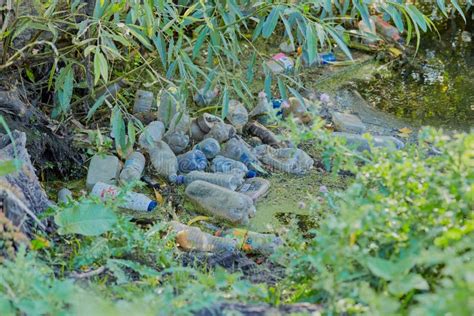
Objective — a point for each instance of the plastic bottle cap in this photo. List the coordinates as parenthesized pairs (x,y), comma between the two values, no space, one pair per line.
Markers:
(152,206)
(179,179)
(251,174)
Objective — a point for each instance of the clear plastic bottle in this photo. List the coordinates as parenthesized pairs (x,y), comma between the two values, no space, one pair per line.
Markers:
(131,200)
(220,202)
(133,168)
(264,109)
(238,150)
(64,195)
(207,121)
(206,97)
(164,161)
(386,29)
(152,134)
(221,132)
(226,165)
(238,115)
(290,160)
(143,101)
(209,146)
(255,188)
(196,133)
(192,238)
(252,242)
(226,180)
(177,141)
(193,160)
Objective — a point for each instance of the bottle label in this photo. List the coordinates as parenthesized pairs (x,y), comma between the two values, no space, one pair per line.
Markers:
(284,60)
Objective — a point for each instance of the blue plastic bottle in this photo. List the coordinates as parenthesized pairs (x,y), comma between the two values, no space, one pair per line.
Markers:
(193,160)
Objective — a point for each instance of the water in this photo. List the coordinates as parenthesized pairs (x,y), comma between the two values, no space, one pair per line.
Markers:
(436,89)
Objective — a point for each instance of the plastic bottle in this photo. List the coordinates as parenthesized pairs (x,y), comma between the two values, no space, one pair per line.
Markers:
(133,168)
(207,121)
(264,109)
(252,242)
(227,165)
(221,132)
(168,107)
(196,133)
(177,141)
(206,97)
(290,160)
(220,202)
(209,146)
(238,115)
(143,101)
(64,195)
(164,161)
(280,63)
(255,188)
(181,122)
(152,134)
(192,238)
(225,180)
(361,144)
(238,150)
(386,29)
(369,31)
(193,160)
(131,200)
(267,137)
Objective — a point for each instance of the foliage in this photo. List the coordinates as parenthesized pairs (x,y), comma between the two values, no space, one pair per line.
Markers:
(183,42)
(400,237)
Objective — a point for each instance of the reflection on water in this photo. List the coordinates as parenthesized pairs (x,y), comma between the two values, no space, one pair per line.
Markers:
(436,90)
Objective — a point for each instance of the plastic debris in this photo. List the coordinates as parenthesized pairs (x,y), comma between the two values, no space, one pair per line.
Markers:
(255,188)
(226,180)
(210,147)
(130,201)
(206,97)
(280,63)
(260,131)
(252,242)
(143,101)
(133,168)
(152,134)
(104,169)
(64,195)
(238,115)
(227,165)
(290,160)
(220,202)
(191,161)
(164,161)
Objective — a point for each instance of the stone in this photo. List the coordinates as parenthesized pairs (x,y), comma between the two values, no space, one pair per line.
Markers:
(361,144)
(104,169)
(349,123)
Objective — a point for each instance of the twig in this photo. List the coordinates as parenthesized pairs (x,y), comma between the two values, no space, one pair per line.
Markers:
(88,274)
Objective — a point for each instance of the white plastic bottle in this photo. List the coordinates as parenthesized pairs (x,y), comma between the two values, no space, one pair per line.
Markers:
(131,200)
(226,180)
(133,168)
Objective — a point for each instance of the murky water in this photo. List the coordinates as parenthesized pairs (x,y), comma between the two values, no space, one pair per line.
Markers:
(437,89)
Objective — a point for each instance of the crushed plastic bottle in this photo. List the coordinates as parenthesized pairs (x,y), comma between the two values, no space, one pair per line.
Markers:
(192,238)
(320,60)
(205,97)
(260,131)
(196,133)
(133,168)
(181,122)
(264,109)
(255,188)
(369,31)
(152,134)
(164,161)
(290,160)
(238,115)
(220,202)
(386,29)
(193,160)
(177,141)
(207,121)
(221,132)
(227,165)
(252,242)
(280,63)
(361,144)
(169,103)
(237,149)
(225,180)
(143,101)
(64,195)
(209,146)
(131,200)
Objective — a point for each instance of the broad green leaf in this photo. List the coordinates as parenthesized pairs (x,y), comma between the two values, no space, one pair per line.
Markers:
(271,22)
(199,42)
(268,84)
(118,129)
(87,218)
(282,89)
(250,72)
(407,283)
(382,268)
(310,43)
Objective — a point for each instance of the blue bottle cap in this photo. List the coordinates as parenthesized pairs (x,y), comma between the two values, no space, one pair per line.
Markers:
(152,206)
(179,179)
(251,174)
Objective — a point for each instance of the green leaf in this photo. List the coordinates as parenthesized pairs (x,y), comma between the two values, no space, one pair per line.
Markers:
(407,283)
(271,22)
(250,73)
(118,129)
(310,43)
(282,89)
(96,106)
(339,41)
(458,8)
(87,218)
(199,41)
(382,268)
(225,104)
